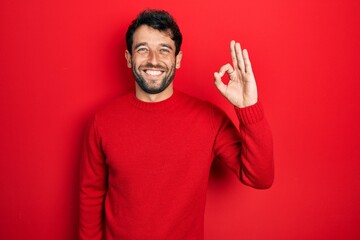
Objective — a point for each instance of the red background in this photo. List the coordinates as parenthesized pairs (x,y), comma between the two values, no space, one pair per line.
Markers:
(62,60)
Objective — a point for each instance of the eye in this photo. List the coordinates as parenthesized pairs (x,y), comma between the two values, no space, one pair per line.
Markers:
(165,50)
(142,50)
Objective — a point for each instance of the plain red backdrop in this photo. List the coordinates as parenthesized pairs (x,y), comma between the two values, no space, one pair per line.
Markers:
(62,60)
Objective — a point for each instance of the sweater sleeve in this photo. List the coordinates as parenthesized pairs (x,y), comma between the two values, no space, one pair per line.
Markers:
(249,151)
(93,175)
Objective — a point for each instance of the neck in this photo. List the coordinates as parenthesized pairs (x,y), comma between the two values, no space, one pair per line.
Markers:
(158,97)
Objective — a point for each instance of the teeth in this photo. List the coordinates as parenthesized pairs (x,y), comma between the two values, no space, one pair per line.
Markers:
(153,72)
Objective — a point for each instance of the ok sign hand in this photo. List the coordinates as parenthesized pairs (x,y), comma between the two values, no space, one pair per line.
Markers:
(241,89)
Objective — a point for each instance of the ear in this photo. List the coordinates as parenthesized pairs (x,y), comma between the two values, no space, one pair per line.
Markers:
(178,60)
(128,58)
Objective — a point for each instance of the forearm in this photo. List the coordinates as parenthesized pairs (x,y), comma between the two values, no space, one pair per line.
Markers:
(91,211)
(257,164)
(93,187)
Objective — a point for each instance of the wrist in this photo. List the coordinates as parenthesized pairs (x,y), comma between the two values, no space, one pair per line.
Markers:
(246,103)
(250,114)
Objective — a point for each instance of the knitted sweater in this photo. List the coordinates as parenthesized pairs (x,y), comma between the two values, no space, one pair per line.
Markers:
(145,166)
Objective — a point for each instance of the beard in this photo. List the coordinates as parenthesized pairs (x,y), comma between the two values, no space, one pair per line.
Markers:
(145,86)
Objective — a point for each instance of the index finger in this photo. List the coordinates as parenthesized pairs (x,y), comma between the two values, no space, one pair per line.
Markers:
(227,68)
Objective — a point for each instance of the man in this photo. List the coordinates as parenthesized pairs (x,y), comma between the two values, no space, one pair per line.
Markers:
(147,155)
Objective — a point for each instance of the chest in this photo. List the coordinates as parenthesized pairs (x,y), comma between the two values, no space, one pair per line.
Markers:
(159,145)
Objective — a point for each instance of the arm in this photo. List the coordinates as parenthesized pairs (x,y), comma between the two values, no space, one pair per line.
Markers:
(249,153)
(93,175)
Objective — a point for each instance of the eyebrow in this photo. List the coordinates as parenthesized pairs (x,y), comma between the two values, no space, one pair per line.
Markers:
(145,44)
(140,45)
(166,45)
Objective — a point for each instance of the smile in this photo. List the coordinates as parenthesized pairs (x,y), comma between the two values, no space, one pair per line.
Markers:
(153,72)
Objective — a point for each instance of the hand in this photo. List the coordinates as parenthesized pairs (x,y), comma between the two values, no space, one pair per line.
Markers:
(241,89)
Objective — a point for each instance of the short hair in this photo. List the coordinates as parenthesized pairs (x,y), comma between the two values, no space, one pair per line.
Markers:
(159,20)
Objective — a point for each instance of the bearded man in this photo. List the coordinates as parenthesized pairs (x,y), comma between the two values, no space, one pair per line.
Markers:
(147,155)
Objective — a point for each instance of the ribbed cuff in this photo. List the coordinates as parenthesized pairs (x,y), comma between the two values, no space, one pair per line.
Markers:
(250,114)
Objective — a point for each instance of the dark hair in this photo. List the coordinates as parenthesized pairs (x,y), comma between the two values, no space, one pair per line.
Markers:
(159,20)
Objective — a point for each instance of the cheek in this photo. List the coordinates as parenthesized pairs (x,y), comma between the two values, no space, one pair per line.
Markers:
(138,59)
(169,61)
(136,63)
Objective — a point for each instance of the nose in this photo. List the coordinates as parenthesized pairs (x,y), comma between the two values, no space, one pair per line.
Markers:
(153,58)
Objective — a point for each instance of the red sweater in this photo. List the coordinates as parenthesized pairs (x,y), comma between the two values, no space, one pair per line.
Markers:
(145,166)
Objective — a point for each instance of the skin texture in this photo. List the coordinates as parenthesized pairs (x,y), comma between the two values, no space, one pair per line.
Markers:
(153,62)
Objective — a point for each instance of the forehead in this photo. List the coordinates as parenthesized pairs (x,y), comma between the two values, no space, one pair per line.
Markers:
(151,36)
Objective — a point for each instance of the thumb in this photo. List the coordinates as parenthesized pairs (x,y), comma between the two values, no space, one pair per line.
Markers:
(219,83)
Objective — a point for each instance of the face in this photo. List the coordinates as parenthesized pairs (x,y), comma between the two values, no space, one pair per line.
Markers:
(153,60)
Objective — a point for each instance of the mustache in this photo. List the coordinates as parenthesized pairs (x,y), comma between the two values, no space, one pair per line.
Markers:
(158,66)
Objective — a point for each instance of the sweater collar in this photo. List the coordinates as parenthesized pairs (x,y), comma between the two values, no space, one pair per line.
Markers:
(154,106)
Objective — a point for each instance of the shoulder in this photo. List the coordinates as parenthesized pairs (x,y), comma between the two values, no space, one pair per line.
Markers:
(202,107)
(115,107)
(194,103)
